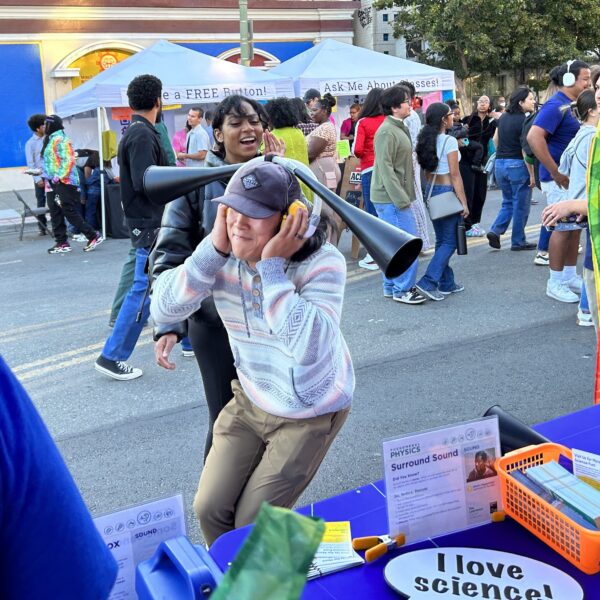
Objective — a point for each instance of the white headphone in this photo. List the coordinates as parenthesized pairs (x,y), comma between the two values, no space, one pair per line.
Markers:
(569,78)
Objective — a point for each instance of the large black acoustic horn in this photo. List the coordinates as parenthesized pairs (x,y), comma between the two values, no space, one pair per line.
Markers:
(514,434)
(392,249)
(163,184)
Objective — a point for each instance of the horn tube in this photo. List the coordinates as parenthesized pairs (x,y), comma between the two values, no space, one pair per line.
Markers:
(393,249)
(514,434)
(163,184)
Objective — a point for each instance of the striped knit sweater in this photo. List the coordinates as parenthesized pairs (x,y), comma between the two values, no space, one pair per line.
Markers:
(283,321)
(59,159)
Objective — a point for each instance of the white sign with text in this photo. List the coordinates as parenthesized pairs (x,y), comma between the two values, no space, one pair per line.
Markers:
(133,534)
(210,93)
(423,85)
(477,573)
(442,480)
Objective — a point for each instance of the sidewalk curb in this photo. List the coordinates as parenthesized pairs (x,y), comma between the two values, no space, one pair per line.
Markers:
(10,225)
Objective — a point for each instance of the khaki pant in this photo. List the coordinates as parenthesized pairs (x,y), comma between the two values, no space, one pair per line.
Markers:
(258,457)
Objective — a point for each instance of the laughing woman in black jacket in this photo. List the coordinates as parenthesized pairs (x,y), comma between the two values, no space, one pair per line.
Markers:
(239,127)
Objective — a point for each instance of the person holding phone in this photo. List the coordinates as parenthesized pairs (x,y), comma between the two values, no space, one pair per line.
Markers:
(280,296)
(482,126)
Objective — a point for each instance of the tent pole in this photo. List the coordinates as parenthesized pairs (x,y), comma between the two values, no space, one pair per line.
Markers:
(101,166)
(245,42)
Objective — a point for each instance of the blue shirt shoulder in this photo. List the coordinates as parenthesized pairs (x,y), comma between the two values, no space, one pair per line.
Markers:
(556,119)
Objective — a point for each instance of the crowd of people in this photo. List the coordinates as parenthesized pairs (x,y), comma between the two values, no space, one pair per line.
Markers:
(238,281)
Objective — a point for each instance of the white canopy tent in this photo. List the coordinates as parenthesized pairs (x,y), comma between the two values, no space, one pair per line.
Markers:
(345,70)
(188,77)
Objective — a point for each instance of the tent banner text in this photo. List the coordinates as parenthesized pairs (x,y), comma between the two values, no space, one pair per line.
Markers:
(364,86)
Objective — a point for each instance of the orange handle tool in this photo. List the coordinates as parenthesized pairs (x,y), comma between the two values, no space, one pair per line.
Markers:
(364,543)
(374,553)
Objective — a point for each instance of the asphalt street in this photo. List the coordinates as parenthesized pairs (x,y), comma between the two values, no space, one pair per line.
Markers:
(501,341)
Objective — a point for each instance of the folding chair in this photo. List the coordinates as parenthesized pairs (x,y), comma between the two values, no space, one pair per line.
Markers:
(31,212)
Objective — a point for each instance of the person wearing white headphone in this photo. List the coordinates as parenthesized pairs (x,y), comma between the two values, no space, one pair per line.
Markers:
(553,129)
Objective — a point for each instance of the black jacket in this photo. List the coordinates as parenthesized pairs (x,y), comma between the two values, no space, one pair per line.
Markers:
(139,149)
(481,131)
(186,222)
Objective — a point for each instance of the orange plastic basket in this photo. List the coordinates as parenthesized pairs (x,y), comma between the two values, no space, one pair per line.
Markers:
(578,545)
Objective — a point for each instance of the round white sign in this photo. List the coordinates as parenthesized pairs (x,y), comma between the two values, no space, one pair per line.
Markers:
(477,573)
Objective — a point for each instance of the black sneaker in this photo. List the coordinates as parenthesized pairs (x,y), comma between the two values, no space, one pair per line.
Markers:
(410,297)
(117,369)
(59,248)
(525,246)
(494,240)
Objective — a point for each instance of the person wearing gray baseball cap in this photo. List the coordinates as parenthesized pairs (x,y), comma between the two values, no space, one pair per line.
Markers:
(261,190)
(280,296)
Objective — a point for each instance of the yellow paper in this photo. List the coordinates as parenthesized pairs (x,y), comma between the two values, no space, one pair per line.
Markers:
(336,532)
(343,149)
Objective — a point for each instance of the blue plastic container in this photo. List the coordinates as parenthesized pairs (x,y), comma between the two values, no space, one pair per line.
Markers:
(179,570)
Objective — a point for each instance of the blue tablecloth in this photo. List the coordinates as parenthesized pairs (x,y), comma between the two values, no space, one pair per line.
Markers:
(365,508)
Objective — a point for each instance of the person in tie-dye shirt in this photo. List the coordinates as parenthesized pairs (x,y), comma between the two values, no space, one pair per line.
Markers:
(62,191)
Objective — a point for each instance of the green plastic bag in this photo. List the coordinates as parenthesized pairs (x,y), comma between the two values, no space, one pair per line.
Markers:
(273,562)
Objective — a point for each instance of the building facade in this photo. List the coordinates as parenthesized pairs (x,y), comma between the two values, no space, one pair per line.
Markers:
(374,29)
(49,47)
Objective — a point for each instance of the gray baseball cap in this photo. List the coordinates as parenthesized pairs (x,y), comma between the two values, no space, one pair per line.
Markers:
(261,190)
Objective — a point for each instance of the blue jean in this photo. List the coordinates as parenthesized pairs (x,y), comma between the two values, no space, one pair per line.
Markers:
(402,219)
(512,178)
(91,210)
(544,241)
(584,304)
(365,182)
(439,274)
(126,331)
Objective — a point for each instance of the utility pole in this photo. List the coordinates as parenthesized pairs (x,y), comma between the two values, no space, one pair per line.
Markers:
(246,53)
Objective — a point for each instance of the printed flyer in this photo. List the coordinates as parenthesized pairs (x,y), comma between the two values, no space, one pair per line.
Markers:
(442,480)
(133,534)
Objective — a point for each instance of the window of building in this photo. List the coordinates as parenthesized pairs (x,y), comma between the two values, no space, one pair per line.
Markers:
(386,37)
(386,52)
(385,17)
